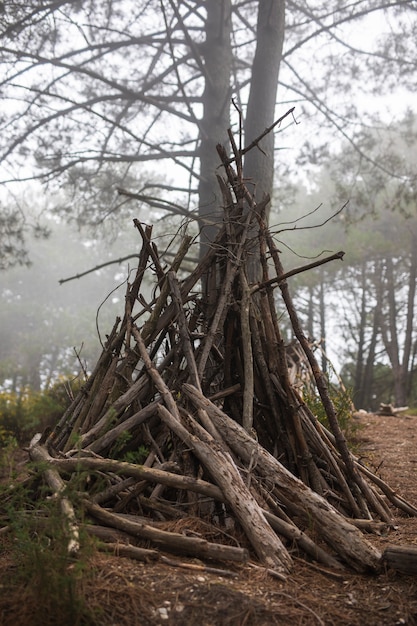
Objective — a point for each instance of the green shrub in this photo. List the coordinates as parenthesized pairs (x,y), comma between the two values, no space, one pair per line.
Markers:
(26,412)
(342,402)
(49,579)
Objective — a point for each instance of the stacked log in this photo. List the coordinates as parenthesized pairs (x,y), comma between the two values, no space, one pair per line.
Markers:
(192,412)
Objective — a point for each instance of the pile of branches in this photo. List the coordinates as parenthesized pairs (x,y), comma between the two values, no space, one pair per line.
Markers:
(192,413)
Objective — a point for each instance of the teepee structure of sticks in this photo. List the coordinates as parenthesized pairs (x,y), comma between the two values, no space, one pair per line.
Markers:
(192,412)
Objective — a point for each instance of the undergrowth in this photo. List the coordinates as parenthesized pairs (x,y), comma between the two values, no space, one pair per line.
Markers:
(49,582)
(342,402)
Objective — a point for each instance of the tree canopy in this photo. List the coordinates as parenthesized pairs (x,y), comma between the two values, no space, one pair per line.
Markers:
(97,89)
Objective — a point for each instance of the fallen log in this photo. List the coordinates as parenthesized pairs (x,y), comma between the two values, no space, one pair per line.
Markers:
(39,454)
(173,542)
(401,558)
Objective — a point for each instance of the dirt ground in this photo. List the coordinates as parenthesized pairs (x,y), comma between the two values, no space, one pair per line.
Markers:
(131,593)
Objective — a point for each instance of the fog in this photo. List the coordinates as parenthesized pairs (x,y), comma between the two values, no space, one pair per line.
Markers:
(102,125)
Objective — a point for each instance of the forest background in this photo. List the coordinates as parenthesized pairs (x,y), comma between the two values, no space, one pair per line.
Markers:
(112,110)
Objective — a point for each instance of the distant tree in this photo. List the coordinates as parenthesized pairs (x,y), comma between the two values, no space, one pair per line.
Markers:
(372,295)
(88,86)
(44,325)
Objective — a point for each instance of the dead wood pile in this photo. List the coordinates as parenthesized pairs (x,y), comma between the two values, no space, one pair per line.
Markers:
(197,392)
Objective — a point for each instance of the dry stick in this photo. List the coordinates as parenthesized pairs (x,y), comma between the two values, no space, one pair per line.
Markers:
(133,291)
(232,267)
(144,554)
(266,544)
(223,393)
(326,449)
(308,466)
(183,330)
(108,534)
(266,381)
(39,454)
(140,472)
(283,525)
(320,432)
(199,568)
(318,377)
(152,322)
(151,370)
(151,250)
(333,527)
(167,510)
(303,541)
(279,279)
(131,552)
(248,389)
(114,411)
(394,498)
(268,547)
(233,263)
(189,282)
(99,395)
(267,130)
(188,349)
(320,435)
(322,387)
(61,281)
(64,427)
(114,490)
(194,546)
(127,425)
(91,412)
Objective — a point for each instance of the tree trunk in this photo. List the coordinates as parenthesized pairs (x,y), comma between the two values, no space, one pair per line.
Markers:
(390,332)
(358,385)
(408,338)
(322,311)
(217,57)
(259,163)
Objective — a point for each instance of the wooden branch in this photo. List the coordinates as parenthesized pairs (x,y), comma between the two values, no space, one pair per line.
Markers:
(98,267)
(101,443)
(113,412)
(266,544)
(131,552)
(298,270)
(401,558)
(231,270)
(344,538)
(173,542)
(157,379)
(108,535)
(39,454)
(183,329)
(248,378)
(302,540)
(151,323)
(393,497)
(140,472)
(195,567)
(320,379)
(267,130)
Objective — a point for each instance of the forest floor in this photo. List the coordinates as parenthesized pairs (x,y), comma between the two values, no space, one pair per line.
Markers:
(124,592)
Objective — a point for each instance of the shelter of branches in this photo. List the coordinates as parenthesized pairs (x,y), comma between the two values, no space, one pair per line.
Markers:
(191,413)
